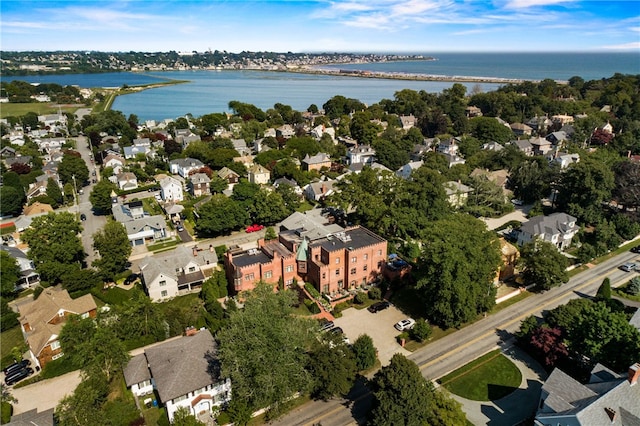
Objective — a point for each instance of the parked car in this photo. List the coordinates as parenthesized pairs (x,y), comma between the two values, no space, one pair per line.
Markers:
(379,306)
(16,366)
(180,228)
(131,279)
(635,249)
(83,216)
(628,267)
(517,202)
(326,325)
(337,330)
(254,228)
(405,324)
(16,376)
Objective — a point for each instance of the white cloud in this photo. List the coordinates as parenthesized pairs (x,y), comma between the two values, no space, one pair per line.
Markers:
(523,4)
(625,46)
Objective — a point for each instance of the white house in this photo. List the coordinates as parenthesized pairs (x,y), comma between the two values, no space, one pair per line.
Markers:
(316,191)
(258,175)
(182,166)
(140,227)
(28,275)
(115,162)
(361,154)
(174,272)
(184,372)
(171,189)
(127,181)
(557,228)
(405,171)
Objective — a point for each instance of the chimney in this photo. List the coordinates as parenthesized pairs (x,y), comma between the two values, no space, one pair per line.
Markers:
(211,248)
(634,373)
(195,251)
(323,189)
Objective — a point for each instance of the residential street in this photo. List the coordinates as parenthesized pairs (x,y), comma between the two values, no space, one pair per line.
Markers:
(465,345)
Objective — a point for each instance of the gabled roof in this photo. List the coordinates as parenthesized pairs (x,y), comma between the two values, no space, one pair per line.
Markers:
(183,365)
(168,181)
(553,224)
(258,169)
(225,172)
(186,162)
(39,312)
(37,208)
(317,159)
(167,262)
(199,178)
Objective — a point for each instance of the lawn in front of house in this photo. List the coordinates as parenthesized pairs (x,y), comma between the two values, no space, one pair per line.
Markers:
(488,378)
(8,340)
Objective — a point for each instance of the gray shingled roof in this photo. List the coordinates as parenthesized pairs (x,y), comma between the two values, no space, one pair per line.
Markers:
(539,225)
(183,365)
(136,370)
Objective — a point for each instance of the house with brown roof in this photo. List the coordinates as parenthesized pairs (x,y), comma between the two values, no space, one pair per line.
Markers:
(185,373)
(316,162)
(42,320)
(230,176)
(37,208)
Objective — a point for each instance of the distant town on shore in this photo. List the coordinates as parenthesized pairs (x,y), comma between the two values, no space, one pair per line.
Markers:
(44,63)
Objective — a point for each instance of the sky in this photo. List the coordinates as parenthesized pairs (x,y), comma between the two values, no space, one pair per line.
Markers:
(314,26)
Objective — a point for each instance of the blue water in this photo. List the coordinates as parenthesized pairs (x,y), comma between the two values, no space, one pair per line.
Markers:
(211,91)
(528,66)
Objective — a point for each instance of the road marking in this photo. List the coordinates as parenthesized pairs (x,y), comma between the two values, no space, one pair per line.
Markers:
(508,323)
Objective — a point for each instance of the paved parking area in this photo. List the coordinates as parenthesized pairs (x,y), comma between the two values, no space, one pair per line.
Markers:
(378,326)
(45,394)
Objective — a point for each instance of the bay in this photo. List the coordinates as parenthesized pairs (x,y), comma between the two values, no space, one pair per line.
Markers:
(211,91)
(526,66)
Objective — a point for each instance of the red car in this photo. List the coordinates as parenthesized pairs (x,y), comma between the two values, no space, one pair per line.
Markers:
(254,228)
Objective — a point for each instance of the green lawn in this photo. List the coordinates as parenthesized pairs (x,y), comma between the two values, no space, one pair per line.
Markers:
(40,108)
(8,340)
(620,292)
(488,378)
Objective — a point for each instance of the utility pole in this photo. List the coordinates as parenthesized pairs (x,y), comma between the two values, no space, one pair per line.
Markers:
(75,194)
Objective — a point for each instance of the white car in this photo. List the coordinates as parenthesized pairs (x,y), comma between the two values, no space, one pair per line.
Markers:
(405,324)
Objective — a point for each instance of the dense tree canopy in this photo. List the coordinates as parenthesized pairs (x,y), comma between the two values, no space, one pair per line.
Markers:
(404,397)
(54,245)
(72,166)
(220,215)
(9,274)
(543,265)
(100,196)
(459,261)
(263,349)
(114,247)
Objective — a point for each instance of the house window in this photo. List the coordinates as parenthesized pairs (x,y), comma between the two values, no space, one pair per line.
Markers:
(55,345)
(337,260)
(268,274)
(192,269)
(353,271)
(325,288)
(144,384)
(289,282)
(324,275)
(354,259)
(180,398)
(289,268)
(85,315)
(338,271)
(365,267)
(163,283)
(340,282)
(56,356)
(164,293)
(366,256)
(379,252)
(249,277)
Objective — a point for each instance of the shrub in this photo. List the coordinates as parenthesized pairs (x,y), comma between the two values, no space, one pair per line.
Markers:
(360,298)
(402,336)
(7,410)
(220,251)
(339,308)
(311,306)
(223,418)
(364,351)
(37,292)
(634,286)
(421,331)
(312,290)
(375,293)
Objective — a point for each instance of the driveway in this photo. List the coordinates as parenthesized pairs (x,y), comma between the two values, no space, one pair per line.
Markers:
(520,214)
(378,326)
(45,394)
(515,407)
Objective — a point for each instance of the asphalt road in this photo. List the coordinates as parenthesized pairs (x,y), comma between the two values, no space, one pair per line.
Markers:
(457,349)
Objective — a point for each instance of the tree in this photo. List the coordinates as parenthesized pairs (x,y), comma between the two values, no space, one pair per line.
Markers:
(402,396)
(421,330)
(604,291)
(543,265)
(54,192)
(77,281)
(100,196)
(460,258)
(220,215)
(333,368)
(75,333)
(9,274)
(8,318)
(364,351)
(114,247)
(103,354)
(583,187)
(83,406)
(54,245)
(262,349)
(182,417)
(72,165)
(634,286)
(548,345)
(627,184)
(11,200)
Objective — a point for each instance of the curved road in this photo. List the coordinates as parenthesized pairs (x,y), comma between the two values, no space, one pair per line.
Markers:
(465,345)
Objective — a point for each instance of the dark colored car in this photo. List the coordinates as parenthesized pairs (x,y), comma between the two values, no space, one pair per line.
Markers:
(635,249)
(16,366)
(131,279)
(83,216)
(379,306)
(16,376)
(336,330)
